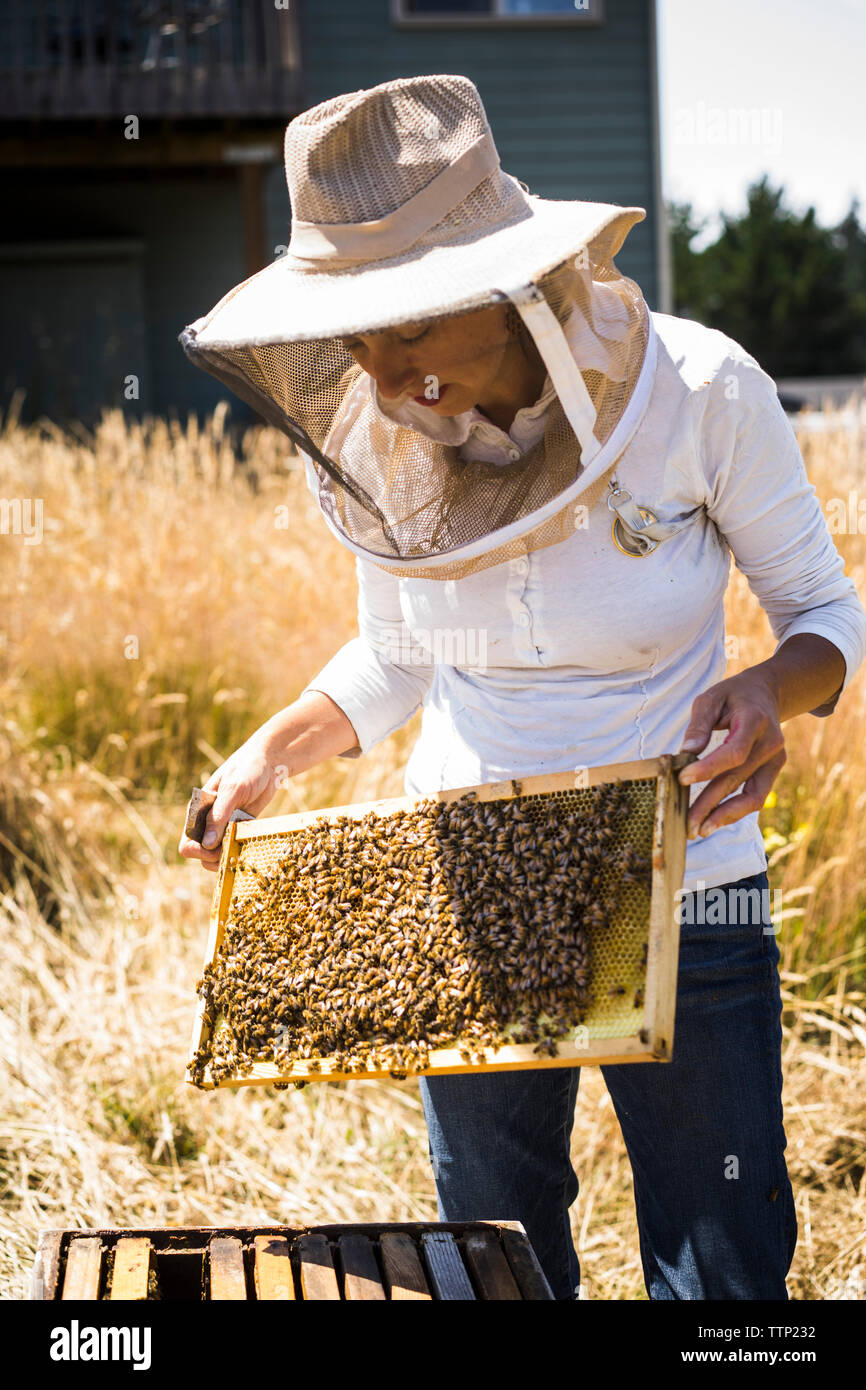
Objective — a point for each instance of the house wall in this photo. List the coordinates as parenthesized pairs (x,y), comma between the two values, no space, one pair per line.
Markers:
(189,226)
(570,107)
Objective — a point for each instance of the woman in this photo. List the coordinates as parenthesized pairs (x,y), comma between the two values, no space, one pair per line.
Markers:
(468,377)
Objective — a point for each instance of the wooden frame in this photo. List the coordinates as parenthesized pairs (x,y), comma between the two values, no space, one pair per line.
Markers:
(652,1042)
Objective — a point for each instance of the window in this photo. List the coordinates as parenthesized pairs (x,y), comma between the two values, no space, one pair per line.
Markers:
(450,12)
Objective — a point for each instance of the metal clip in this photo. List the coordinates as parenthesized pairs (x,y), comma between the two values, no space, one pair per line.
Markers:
(629,522)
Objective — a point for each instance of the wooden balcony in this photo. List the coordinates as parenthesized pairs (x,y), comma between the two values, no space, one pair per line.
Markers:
(86,59)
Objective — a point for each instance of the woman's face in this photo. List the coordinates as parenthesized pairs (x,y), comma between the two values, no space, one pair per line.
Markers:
(448,365)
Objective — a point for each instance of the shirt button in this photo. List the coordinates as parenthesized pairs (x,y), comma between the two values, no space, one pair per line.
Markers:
(523,620)
(521,566)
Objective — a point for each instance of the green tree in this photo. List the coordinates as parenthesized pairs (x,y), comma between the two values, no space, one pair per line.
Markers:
(686,265)
(791,292)
(850,238)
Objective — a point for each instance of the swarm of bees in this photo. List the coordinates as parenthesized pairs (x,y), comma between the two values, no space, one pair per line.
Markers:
(375,940)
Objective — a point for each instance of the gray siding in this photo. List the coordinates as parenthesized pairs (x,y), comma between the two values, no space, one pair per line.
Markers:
(78,311)
(570,107)
(191,232)
(278,219)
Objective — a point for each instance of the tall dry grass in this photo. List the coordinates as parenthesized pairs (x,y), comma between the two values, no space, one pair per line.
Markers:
(182,592)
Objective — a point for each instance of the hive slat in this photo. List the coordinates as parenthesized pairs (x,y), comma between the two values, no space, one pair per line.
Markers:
(318,1276)
(131,1271)
(83,1268)
(404,1274)
(490,1267)
(525,1267)
(273,1268)
(219,910)
(362,1280)
(447,1274)
(664,933)
(486,791)
(227,1277)
(46,1266)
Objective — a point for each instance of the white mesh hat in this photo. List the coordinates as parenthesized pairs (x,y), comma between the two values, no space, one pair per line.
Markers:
(400,214)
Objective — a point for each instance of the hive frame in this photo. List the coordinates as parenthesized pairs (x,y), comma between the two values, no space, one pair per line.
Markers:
(653,1042)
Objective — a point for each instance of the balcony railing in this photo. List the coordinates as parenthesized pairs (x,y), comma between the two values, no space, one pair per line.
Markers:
(183,58)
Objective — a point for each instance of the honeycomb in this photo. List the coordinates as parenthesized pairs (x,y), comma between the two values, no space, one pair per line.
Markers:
(618,948)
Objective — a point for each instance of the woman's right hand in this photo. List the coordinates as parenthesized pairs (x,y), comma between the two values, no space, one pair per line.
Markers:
(246,781)
(291,741)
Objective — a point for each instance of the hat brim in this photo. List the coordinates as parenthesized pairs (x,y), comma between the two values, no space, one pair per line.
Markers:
(289,302)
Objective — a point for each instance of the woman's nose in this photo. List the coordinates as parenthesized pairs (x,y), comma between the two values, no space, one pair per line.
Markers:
(392,375)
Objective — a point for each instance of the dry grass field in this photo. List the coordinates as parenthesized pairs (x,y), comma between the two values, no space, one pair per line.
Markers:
(177,598)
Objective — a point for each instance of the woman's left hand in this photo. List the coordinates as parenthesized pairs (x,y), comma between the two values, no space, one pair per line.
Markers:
(752,755)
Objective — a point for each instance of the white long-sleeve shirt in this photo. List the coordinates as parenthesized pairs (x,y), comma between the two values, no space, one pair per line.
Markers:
(579,655)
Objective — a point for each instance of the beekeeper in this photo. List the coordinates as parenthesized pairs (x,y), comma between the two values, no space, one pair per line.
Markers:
(542,483)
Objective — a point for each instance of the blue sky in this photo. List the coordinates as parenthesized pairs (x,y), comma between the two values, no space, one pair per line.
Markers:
(755,85)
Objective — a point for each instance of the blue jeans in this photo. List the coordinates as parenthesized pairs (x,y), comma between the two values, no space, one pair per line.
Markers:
(704,1132)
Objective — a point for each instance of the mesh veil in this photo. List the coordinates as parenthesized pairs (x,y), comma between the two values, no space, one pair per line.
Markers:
(419,507)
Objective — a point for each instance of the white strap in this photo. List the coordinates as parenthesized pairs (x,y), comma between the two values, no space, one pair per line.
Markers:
(552,343)
(629,514)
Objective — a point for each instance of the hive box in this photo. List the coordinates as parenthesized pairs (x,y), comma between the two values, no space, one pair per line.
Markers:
(373,1262)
